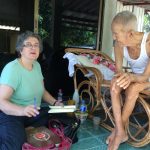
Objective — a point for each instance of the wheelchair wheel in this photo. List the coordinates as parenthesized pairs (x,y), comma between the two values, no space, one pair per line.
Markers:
(138,127)
(87,93)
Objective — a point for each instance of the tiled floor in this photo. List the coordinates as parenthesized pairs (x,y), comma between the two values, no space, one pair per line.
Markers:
(94,139)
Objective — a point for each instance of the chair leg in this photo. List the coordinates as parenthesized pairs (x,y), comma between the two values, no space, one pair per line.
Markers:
(87,92)
(139,124)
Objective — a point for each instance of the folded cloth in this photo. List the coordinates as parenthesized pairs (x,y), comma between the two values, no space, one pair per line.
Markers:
(106,72)
(72,61)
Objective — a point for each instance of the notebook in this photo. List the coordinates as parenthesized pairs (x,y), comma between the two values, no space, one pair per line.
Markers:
(62,109)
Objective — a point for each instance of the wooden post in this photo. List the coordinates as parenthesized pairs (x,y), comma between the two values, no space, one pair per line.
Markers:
(99,25)
(36,15)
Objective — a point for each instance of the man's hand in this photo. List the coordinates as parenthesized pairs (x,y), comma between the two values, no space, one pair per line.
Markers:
(123,79)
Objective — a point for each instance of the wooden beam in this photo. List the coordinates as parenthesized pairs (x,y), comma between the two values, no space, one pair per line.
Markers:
(139,3)
(134,3)
(99,26)
(68,13)
(79,19)
(36,15)
(79,28)
(80,23)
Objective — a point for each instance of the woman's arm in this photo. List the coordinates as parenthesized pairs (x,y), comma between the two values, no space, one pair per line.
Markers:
(12,109)
(47,97)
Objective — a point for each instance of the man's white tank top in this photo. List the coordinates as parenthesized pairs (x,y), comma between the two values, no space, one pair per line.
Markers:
(138,65)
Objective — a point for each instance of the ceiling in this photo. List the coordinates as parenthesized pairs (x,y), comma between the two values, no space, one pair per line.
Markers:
(140,3)
(86,12)
(16,13)
(81,12)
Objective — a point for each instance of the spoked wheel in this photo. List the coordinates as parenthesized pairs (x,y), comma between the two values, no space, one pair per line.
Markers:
(87,93)
(139,128)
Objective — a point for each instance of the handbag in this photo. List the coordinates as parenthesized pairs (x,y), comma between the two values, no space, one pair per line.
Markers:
(68,126)
(57,127)
(42,138)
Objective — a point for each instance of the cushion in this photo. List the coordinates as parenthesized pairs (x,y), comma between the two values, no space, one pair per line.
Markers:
(96,63)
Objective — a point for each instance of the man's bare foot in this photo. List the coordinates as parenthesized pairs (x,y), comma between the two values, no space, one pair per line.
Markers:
(111,136)
(117,140)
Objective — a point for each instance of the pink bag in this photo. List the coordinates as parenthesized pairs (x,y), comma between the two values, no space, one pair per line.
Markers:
(27,146)
(47,139)
(57,128)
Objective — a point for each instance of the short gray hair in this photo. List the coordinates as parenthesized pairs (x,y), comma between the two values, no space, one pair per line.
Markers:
(24,36)
(127,19)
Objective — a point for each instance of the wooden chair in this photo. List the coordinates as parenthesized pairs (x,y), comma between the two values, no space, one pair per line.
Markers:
(95,90)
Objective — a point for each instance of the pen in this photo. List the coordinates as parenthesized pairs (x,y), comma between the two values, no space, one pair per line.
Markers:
(35,105)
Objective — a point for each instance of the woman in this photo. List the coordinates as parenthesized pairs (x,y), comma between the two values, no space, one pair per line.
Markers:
(21,92)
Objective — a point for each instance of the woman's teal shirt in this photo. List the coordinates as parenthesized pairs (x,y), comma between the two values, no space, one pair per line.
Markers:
(27,85)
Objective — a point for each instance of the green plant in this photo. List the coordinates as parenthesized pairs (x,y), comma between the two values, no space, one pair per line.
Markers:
(146,26)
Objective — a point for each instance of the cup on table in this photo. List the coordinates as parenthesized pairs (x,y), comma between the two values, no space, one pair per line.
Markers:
(82,116)
(96,121)
(70,102)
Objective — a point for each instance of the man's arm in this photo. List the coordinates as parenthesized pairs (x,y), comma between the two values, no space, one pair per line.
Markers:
(142,77)
(118,51)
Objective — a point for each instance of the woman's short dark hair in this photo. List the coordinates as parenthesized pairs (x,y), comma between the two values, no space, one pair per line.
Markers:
(24,36)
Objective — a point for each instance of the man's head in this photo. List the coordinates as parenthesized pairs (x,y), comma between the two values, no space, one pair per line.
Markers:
(123,24)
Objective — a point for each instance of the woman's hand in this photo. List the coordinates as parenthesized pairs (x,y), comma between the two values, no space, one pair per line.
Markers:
(123,79)
(31,111)
(58,103)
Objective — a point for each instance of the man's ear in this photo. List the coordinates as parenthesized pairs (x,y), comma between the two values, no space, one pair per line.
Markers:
(130,33)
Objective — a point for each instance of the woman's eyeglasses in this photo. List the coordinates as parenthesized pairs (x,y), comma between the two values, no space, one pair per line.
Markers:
(30,46)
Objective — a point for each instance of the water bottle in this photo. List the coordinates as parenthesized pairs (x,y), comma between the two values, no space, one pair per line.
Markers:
(60,95)
(76,97)
(83,107)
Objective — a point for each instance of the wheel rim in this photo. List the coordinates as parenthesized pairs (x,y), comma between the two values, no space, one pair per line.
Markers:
(138,127)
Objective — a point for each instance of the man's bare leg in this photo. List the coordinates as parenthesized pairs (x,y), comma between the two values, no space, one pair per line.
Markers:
(131,100)
(131,97)
(110,137)
(120,134)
